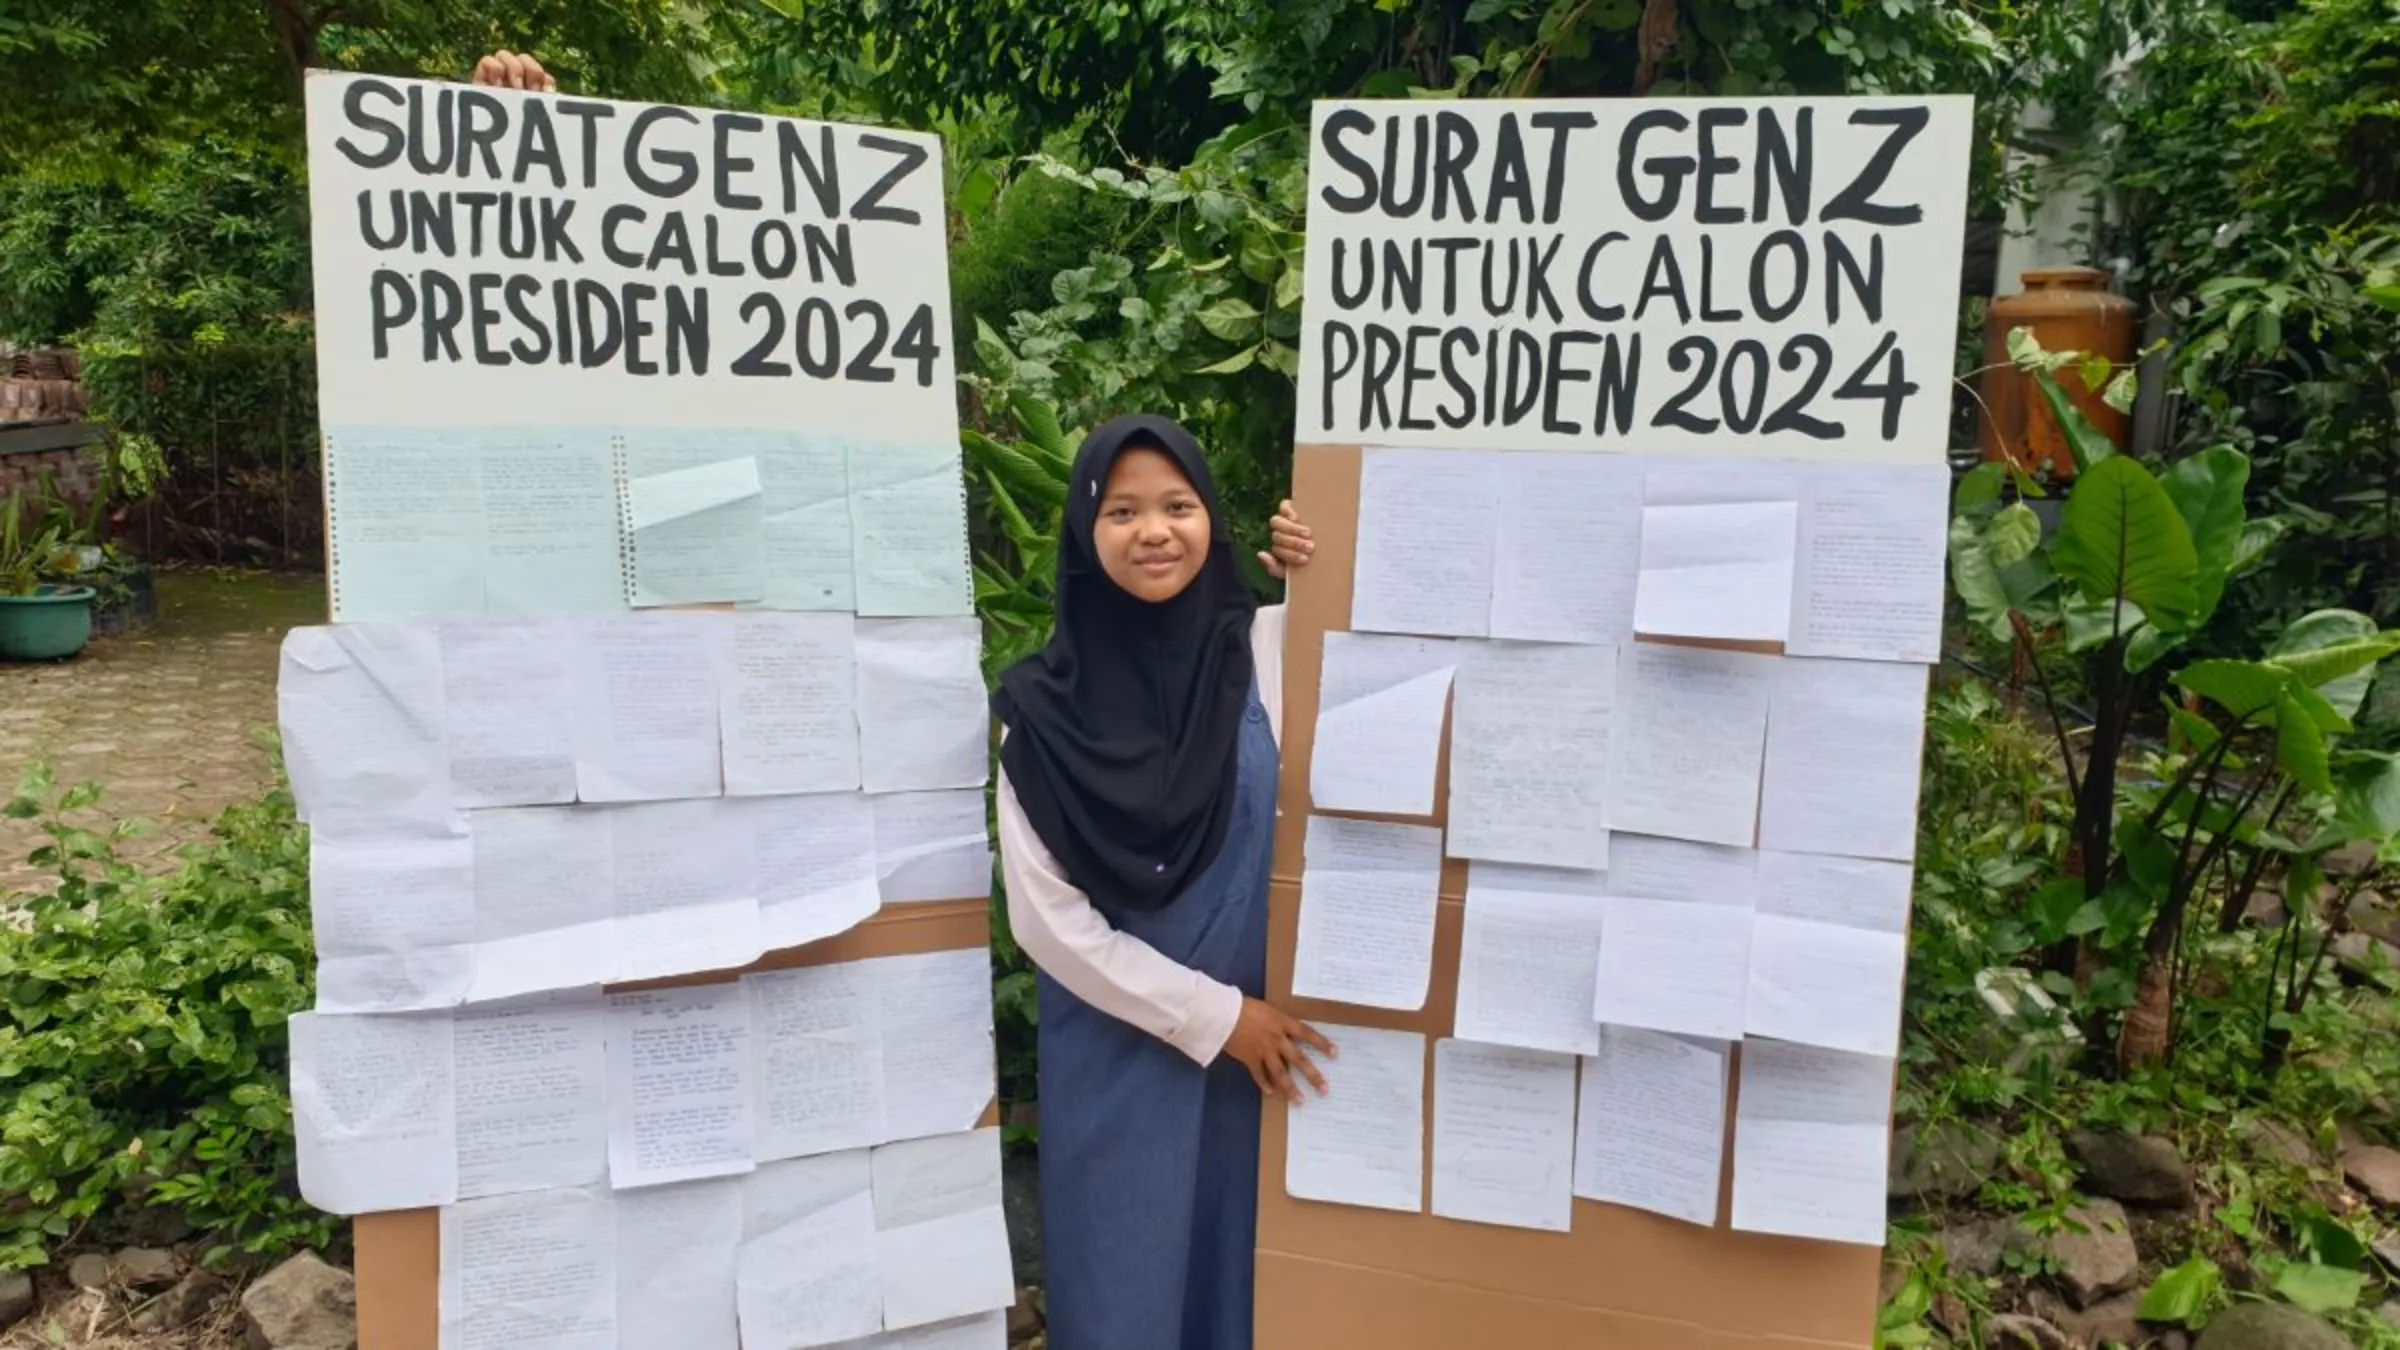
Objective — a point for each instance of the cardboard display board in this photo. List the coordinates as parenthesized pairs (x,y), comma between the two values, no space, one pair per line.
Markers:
(508,279)
(1656,229)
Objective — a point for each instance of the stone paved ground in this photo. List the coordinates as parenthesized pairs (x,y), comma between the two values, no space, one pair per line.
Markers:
(175,721)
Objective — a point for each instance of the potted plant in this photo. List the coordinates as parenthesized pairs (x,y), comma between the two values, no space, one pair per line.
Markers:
(43,615)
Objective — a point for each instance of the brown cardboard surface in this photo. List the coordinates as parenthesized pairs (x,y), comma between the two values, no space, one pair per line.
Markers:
(1334,1277)
(399,1254)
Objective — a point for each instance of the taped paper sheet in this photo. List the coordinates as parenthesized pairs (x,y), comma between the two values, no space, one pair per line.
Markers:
(360,710)
(392,901)
(646,716)
(908,524)
(545,901)
(1379,723)
(405,510)
(816,865)
(685,888)
(678,1086)
(1368,891)
(805,493)
(1650,1133)
(1503,1135)
(1567,561)
(932,846)
(532,1094)
(676,1248)
(1363,1142)
(922,718)
(1811,1142)
(1670,965)
(537,1268)
(1828,959)
(941,1239)
(507,691)
(1529,956)
(1426,522)
(553,535)
(787,705)
(697,531)
(374,1111)
(1868,580)
(1845,740)
(1529,756)
(1691,731)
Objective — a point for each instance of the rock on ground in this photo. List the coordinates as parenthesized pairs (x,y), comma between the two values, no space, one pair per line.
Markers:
(2282,1143)
(2370,913)
(1977,1248)
(2363,954)
(187,1302)
(145,1268)
(2140,1169)
(1947,1161)
(2269,1326)
(88,1271)
(303,1304)
(16,1296)
(2375,1171)
(2111,1320)
(2099,1261)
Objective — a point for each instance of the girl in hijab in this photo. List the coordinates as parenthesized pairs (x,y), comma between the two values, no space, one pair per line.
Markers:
(1136,819)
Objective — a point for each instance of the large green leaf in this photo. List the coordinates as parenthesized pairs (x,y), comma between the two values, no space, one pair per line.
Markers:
(2333,658)
(2120,536)
(2084,441)
(1979,489)
(2319,1289)
(2366,794)
(2182,1295)
(2300,744)
(2088,621)
(2014,533)
(2250,690)
(2207,490)
(2149,645)
(1976,580)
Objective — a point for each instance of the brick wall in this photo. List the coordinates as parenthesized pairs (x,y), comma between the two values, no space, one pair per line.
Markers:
(72,471)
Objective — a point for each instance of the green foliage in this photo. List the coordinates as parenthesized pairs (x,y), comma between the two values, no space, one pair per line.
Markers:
(142,1047)
(2184,1295)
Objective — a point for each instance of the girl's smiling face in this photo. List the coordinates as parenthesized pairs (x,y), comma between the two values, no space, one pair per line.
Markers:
(1153,530)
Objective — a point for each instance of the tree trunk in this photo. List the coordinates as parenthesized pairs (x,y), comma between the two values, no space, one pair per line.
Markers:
(2144,1039)
(295,30)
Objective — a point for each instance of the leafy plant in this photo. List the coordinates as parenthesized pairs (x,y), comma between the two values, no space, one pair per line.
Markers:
(142,1051)
(37,548)
(2137,566)
(2184,1295)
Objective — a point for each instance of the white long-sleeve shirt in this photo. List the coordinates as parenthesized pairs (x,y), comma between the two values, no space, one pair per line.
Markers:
(1057,925)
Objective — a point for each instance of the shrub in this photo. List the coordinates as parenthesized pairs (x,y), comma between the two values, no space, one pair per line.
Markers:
(142,1051)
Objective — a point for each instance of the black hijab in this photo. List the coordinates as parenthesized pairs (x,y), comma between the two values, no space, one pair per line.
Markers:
(1122,732)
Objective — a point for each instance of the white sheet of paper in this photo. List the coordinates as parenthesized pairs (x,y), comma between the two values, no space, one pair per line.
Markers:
(1568,558)
(1678,869)
(1529,755)
(553,542)
(786,703)
(806,483)
(507,689)
(812,1281)
(779,1193)
(983,1331)
(816,865)
(1720,570)
(392,900)
(1379,722)
(1503,1135)
(908,529)
(1690,733)
(1426,521)
(405,511)
(1825,984)
(698,533)
(1363,1143)
(923,719)
(935,1009)
(1845,740)
(532,1094)
(534,1270)
(686,888)
(373,1111)
(676,1252)
(1650,1132)
(932,846)
(1669,965)
(941,1238)
(678,1084)
(1527,959)
(1368,892)
(1812,1142)
(360,708)
(1865,893)
(545,907)
(646,708)
(1867,583)
(816,1041)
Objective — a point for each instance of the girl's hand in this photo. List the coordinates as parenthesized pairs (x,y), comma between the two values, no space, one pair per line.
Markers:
(1268,1041)
(1290,543)
(514,70)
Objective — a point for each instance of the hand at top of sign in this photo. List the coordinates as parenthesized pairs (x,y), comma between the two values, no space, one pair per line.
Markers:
(1290,544)
(514,70)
